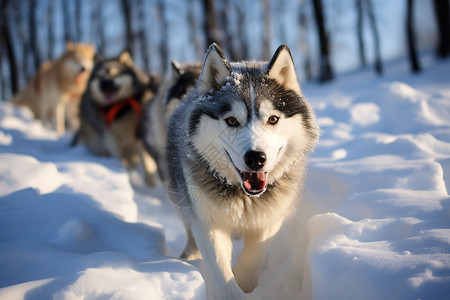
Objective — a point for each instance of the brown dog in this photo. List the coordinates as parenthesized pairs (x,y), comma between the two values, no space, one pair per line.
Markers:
(53,95)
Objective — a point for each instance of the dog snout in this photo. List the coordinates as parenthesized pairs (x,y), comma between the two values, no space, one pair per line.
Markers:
(255,160)
(108,85)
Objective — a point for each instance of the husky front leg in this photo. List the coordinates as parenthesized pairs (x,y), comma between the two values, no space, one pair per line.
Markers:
(149,165)
(60,117)
(253,256)
(215,246)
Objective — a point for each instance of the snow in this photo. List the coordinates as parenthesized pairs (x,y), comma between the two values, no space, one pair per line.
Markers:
(374,222)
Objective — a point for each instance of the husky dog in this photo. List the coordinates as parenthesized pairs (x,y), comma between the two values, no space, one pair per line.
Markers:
(111,112)
(157,112)
(53,95)
(237,147)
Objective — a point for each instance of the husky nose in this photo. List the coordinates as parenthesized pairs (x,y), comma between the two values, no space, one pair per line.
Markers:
(255,160)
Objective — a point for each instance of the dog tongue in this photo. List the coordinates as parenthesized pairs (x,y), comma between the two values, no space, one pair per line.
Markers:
(109,95)
(254,181)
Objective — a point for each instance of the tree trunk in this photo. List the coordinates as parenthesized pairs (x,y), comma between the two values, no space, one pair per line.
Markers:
(304,43)
(241,16)
(193,37)
(66,21)
(6,42)
(143,41)
(126,7)
(267,26)
(33,34)
(211,30)
(442,10)
(326,71)
(373,26)
(163,46)
(359,32)
(414,60)
(228,37)
(77,20)
(50,32)
(99,34)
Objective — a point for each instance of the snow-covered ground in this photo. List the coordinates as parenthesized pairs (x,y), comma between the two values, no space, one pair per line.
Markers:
(374,222)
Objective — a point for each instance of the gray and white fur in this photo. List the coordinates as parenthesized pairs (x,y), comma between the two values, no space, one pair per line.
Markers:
(236,155)
(157,112)
(114,82)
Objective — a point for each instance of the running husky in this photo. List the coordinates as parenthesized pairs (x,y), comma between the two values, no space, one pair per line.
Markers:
(111,112)
(157,112)
(237,147)
(54,93)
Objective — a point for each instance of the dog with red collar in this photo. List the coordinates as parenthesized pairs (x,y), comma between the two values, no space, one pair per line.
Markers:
(111,112)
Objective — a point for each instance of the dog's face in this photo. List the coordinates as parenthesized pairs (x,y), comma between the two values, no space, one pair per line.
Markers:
(250,122)
(78,61)
(114,80)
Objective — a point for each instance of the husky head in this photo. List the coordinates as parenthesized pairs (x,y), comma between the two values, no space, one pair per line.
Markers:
(77,63)
(250,122)
(115,80)
(183,79)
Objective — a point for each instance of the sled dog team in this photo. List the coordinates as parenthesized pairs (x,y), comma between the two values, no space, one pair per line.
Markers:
(227,139)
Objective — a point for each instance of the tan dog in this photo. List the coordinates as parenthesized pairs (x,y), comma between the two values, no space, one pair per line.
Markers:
(111,112)
(54,94)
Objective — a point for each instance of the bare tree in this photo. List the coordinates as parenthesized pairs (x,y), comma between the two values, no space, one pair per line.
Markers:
(143,41)
(98,20)
(442,10)
(22,31)
(267,27)
(303,41)
(6,43)
(359,32)
(326,71)
(212,31)
(33,31)
(228,37)
(241,16)
(376,38)
(66,21)
(77,20)
(127,13)
(412,51)
(193,36)
(50,33)
(164,46)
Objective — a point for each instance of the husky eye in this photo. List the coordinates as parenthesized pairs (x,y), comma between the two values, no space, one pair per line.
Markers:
(232,122)
(273,120)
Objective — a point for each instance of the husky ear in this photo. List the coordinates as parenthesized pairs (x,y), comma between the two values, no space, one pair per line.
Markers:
(176,68)
(216,69)
(125,58)
(281,68)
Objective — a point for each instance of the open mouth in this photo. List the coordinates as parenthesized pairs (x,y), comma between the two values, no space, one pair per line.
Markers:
(254,183)
(109,95)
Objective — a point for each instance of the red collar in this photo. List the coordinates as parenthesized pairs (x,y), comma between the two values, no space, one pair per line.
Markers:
(110,113)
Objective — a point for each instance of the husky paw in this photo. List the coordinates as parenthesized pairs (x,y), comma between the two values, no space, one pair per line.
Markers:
(150,180)
(246,279)
(191,254)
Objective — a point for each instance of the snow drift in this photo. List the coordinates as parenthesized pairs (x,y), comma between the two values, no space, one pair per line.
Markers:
(374,222)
